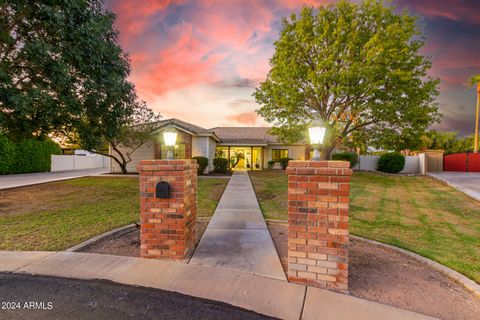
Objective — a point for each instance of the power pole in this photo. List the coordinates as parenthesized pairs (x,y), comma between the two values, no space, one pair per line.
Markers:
(475,146)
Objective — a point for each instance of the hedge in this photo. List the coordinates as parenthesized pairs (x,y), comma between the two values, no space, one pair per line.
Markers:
(202,164)
(392,162)
(26,156)
(346,156)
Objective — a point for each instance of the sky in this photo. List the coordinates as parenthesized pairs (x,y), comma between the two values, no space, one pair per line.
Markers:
(200,60)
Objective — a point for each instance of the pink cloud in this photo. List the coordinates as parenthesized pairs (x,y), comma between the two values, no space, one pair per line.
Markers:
(246,118)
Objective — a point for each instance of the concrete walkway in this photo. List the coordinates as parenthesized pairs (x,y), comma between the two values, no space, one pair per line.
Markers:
(260,294)
(237,237)
(27,179)
(466,182)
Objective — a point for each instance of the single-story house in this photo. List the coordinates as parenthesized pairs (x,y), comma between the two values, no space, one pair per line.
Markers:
(253,147)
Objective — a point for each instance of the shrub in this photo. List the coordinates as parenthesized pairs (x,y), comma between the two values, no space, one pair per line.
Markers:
(284,162)
(202,164)
(346,156)
(26,156)
(7,155)
(392,162)
(220,165)
(271,163)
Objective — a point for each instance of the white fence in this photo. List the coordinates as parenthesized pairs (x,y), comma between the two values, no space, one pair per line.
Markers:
(77,162)
(413,164)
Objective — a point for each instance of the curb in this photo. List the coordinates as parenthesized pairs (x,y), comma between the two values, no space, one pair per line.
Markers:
(95,239)
(469,284)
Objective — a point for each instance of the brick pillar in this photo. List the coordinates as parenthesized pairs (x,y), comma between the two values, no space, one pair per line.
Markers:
(167,226)
(318,197)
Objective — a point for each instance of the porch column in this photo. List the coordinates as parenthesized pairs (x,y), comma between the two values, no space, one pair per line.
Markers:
(263,157)
(167,220)
(229,158)
(318,200)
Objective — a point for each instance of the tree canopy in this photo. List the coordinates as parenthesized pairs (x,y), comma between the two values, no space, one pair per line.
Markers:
(62,71)
(358,68)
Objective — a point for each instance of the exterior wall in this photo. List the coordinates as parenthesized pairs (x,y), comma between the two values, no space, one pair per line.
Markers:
(212,148)
(145,152)
(370,163)
(412,165)
(318,236)
(75,162)
(204,147)
(294,152)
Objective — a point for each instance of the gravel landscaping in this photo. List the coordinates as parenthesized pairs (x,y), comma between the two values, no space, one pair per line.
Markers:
(391,277)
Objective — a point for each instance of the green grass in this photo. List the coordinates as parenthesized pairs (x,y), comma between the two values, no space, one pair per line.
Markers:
(415,213)
(210,191)
(58,215)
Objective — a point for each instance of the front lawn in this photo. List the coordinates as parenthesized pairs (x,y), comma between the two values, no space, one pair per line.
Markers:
(415,213)
(58,215)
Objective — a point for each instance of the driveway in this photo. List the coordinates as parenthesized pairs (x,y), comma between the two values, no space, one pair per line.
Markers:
(39,297)
(467,182)
(27,179)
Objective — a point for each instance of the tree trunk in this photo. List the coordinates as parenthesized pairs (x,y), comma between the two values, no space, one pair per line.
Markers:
(325,152)
(123,167)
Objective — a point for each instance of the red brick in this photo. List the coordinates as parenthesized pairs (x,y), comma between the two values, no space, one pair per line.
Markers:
(167,226)
(318,199)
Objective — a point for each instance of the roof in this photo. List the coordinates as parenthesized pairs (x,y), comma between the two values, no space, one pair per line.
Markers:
(182,125)
(244,135)
(259,136)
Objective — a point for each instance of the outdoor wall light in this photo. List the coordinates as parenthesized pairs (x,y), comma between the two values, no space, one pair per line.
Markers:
(316,133)
(170,138)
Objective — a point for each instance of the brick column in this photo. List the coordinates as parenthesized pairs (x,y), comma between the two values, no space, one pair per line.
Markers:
(318,197)
(167,226)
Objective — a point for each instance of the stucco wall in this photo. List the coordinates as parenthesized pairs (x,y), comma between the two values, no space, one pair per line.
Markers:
(145,152)
(204,147)
(370,163)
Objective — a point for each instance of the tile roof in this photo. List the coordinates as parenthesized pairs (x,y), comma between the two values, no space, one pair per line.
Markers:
(184,125)
(244,135)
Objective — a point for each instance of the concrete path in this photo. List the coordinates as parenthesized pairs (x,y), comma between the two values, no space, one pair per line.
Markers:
(27,179)
(466,182)
(260,294)
(237,237)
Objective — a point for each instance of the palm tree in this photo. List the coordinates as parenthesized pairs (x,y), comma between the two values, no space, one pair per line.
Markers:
(473,80)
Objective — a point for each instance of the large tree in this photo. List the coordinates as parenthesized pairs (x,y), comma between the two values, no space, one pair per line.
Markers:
(358,68)
(62,71)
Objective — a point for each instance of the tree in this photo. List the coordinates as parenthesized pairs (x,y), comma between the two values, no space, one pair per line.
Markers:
(123,129)
(358,68)
(45,49)
(62,71)
(447,141)
(476,80)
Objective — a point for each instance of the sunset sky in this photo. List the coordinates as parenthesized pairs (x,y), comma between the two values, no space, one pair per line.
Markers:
(200,60)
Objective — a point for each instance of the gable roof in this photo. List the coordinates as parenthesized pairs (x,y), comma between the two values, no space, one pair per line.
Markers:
(244,135)
(182,125)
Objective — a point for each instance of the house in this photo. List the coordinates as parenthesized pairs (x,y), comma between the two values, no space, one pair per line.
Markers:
(245,147)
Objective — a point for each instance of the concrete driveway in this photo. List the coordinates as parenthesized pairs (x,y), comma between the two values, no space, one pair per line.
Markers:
(467,182)
(27,179)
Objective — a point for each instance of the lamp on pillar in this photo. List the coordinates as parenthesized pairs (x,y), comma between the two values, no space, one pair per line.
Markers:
(170,138)
(317,134)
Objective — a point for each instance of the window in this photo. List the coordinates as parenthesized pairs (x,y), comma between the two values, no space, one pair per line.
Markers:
(278,154)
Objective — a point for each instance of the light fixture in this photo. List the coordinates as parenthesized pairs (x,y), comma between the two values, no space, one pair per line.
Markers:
(317,134)
(170,138)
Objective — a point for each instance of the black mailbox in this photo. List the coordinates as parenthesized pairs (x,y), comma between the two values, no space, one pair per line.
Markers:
(162,190)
